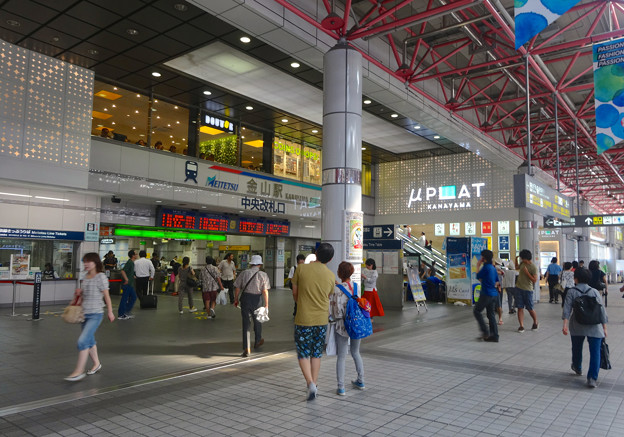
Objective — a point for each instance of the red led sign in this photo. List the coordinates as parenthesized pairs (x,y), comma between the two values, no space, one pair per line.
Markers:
(177,220)
(213,224)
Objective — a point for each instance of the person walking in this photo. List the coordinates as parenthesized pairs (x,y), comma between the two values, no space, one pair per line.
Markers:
(252,286)
(595,333)
(370,288)
(300,260)
(144,272)
(598,280)
(337,310)
(185,272)
(94,289)
(567,279)
(527,277)
(553,273)
(489,297)
(128,295)
(227,269)
(313,283)
(509,283)
(211,284)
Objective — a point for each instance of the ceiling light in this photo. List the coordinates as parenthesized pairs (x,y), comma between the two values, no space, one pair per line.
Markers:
(436,137)
(367,102)
(155,101)
(139,95)
(175,107)
(115,88)
(309,226)
(113,106)
(314,131)
(284,120)
(394,115)
(92,52)
(156,74)
(245,39)
(180,7)
(363,148)
(137,111)
(158,201)
(13,23)
(16,195)
(207,93)
(177,122)
(295,64)
(113,122)
(51,198)
(249,108)
(132,32)
(417,127)
(105,109)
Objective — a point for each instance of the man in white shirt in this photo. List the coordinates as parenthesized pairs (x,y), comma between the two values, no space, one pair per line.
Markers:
(144,272)
(422,240)
(227,267)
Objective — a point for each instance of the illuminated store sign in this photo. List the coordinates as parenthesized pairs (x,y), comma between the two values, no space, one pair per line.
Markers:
(219,123)
(446,197)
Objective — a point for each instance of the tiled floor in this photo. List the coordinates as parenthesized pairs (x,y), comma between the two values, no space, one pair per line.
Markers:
(426,374)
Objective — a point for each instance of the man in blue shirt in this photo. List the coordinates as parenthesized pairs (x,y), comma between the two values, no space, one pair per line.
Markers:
(488,297)
(552,277)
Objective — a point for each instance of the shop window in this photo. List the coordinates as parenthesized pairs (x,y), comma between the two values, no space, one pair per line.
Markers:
(252,146)
(169,127)
(218,140)
(312,165)
(119,114)
(61,255)
(286,159)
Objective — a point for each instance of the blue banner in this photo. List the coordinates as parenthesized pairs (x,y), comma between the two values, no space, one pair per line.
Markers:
(41,234)
(533,16)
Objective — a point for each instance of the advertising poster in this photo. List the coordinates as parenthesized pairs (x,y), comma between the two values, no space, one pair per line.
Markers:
(415,286)
(439,230)
(20,265)
(454,229)
(503,243)
(477,245)
(458,283)
(503,227)
(470,228)
(355,236)
(486,228)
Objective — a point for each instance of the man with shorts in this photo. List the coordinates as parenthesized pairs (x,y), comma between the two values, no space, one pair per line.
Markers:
(527,277)
(312,285)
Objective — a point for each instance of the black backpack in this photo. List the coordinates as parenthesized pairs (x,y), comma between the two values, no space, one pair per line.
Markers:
(586,309)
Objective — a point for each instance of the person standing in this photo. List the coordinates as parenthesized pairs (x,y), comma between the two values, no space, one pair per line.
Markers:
(251,286)
(422,240)
(488,298)
(337,310)
(370,288)
(185,272)
(227,269)
(578,332)
(312,285)
(144,272)
(110,262)
(94,289)
(527,277)
(567,279)
(128,295)
(211,284)
(553,273)
(598,280)
(300,260)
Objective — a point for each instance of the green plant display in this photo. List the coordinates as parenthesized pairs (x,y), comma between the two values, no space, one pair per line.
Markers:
(224,150)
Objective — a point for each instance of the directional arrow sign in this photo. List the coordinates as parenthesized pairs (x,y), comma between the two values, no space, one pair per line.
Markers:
(589,221)
(585,221)
(379,232)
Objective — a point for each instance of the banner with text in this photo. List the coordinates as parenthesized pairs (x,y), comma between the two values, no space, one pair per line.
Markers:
(609,93)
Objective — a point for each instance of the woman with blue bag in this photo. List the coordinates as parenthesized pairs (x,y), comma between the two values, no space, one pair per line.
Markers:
(337,311)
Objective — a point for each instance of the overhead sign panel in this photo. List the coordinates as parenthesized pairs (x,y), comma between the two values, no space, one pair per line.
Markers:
(585,221)
(533,194)
(379,232)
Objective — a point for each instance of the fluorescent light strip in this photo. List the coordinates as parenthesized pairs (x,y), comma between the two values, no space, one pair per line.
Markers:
(16,195)
(51,198)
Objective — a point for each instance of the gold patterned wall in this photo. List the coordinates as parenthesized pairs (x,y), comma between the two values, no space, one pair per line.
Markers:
(45,108)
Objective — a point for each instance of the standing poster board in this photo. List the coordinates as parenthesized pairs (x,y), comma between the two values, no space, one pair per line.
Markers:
(20,265)
(458,283)
(416,287)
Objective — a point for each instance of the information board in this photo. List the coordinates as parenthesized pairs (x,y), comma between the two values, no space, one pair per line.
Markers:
(41,234)
(533,194)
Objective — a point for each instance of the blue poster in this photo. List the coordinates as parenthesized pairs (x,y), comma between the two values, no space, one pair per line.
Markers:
(533,16)
(609,93)
(503,243)
(458,287)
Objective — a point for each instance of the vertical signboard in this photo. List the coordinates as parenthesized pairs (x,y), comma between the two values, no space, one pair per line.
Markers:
(458,288)
(354,236)
(36,305)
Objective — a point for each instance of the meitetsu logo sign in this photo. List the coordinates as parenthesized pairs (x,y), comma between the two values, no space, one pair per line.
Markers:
(446,197)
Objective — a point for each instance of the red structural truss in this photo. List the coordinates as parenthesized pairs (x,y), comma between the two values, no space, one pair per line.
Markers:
(464,51)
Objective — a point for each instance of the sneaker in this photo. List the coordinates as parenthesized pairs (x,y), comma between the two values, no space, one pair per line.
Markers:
(212,313)
(193,310)
(124,317)
(491,339)
(592,383)
(340,392)
(521,329)
(130,315)
(576,370)
(358,384)
(181,312)
(311,391)
(535,327)
(512,312)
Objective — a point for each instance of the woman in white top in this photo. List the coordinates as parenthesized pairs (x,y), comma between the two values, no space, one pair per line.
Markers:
(370,288)
(94,288)
(337,309)
(567,279)
(509,283)
(227,268)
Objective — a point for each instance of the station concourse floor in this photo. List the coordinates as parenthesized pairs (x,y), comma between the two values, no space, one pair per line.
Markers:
(426,375)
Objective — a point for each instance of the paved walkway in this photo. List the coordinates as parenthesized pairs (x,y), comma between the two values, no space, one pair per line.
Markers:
(426,374)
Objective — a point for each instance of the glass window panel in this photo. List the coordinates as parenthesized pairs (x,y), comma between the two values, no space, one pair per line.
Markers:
(366,180)
(221,147)
(60,254)
(170,127)
(312,165)
(286,159)
(119,114)
(251,149)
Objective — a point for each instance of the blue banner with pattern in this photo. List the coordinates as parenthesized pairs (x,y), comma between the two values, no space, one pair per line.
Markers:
(533,16)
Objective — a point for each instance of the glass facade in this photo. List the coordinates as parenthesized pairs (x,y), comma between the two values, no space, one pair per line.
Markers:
(252,146)
(294,161)
(60,255)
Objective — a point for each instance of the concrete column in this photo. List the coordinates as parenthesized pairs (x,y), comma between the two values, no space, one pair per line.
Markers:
(529,239)
(342,148)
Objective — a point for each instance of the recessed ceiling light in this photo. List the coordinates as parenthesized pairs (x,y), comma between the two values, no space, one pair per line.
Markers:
(436,137)
(132,31)
(13,23)
(156,74)
(295,64)
(367,102)
(175,107)
(92,52)
(314,131)
(180,7)
(284,120)
(158,201)
(245,39)
(363,148)
(115,88)
(249,108)
(138,95)
(417,127)
(394,115)
(207,93)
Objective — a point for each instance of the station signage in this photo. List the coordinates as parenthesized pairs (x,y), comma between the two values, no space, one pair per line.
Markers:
(447,197)
(379,232)
(533,194)
(41,234)
(585,221)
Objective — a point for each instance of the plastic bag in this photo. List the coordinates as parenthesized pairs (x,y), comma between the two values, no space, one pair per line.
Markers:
(222,297)
(262,314)
(330,340)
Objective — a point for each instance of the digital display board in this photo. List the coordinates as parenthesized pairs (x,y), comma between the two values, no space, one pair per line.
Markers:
(193,220)
(533,194)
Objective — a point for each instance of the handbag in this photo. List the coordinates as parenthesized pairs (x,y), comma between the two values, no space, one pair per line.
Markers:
(191,282)
(73,313)
(330,340)
(604,355)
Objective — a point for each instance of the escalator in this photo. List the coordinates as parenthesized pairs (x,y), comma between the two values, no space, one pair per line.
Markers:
(412,248)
